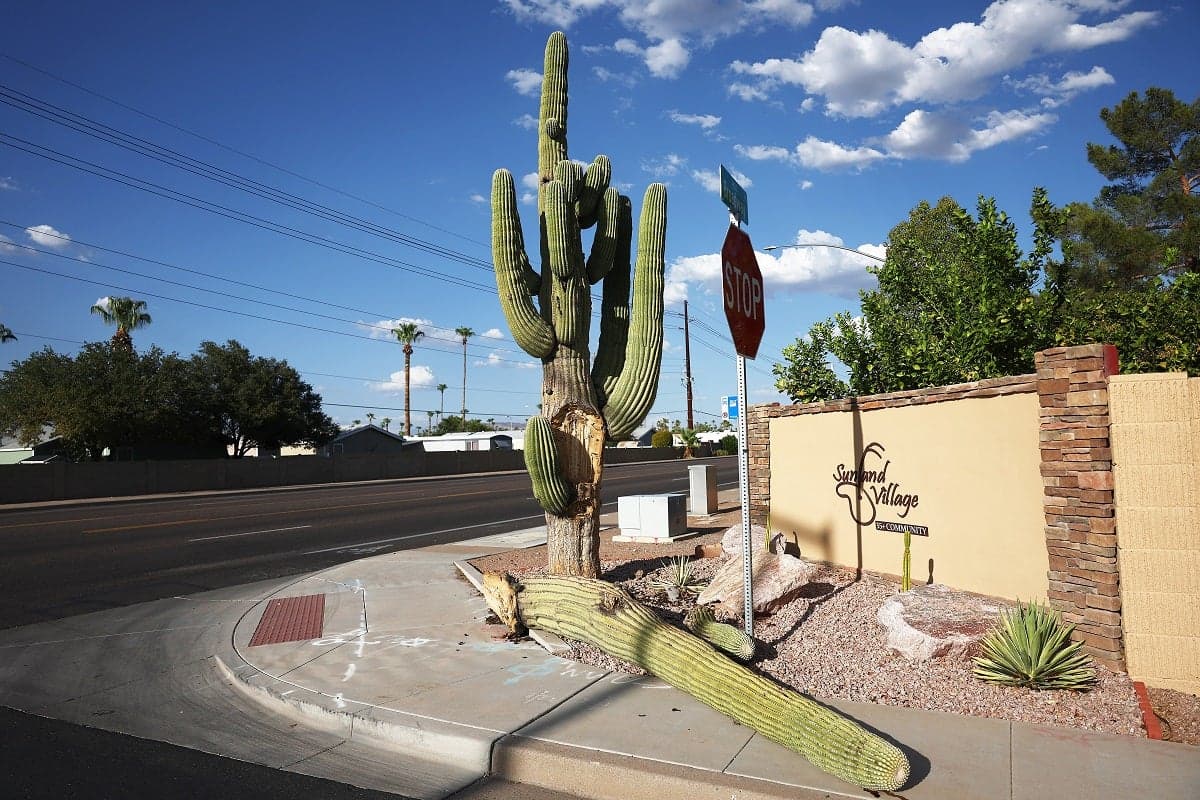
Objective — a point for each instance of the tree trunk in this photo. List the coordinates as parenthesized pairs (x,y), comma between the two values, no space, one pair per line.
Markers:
(407,416)
(573,538)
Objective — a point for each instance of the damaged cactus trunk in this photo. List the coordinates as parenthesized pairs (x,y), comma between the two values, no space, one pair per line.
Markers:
(583,403)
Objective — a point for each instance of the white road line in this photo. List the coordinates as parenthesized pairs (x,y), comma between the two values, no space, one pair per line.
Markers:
(248,533)
(419,535)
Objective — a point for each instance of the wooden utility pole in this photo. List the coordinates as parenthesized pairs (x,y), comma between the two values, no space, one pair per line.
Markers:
(687,366)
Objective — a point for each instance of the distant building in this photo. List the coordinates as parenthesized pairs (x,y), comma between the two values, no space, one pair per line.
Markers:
(484,440)
(11,452)
(364,440)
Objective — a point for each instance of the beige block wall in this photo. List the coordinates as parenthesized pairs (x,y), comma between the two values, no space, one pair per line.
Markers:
(1156,465)
(974,466)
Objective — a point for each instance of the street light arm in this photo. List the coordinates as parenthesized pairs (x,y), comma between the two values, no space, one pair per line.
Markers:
(822,244)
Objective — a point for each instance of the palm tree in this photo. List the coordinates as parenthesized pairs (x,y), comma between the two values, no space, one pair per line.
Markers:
(386,421)
(6,335)
(370,417)
(406,334)
(124,312)
(465,333)
(441,387)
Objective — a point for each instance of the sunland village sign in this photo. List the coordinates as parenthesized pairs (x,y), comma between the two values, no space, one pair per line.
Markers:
(871,494)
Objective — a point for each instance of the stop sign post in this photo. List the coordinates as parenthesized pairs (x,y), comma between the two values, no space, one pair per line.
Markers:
(742,288)
(745,310)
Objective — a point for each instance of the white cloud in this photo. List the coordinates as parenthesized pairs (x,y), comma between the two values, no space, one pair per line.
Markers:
(477,198)
(492,333)
(748,92)
(6,245)
(667,59)
(527,121)
(420,377)
(704,121)
(818,154)
(103,302)
(861,74)
(525,81)
(762,152)
(608,76)
(805,185)
(531,181)
(46,236)
(807,104)
(710,180)
(7,184)
(1056,93)
(809,269)
(665,167)
(494,359)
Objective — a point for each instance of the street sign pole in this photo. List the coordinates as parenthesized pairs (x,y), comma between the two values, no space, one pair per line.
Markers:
(742,290)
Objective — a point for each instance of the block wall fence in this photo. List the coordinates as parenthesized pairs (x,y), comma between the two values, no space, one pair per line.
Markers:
(1071,384)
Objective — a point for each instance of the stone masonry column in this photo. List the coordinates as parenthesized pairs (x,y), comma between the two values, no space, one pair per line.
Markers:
(1077,476)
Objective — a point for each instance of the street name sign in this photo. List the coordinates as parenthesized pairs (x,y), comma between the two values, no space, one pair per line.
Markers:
(734,197)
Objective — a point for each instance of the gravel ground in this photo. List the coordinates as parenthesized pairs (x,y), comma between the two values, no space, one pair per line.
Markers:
(828,644)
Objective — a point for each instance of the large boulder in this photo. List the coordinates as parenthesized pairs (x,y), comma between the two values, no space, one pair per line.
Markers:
(776,580)
(731,540)
(933,621)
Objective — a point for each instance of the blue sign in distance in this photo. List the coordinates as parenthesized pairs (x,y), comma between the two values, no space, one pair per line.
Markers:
(734,197)
(731,407)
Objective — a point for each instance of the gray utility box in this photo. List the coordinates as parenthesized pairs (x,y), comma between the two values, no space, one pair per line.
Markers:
(702,489)
(652,517)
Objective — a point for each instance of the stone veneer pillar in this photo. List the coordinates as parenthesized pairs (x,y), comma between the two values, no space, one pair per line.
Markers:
(1077,476)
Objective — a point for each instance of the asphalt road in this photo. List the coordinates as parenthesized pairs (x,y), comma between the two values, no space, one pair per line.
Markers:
(66,559)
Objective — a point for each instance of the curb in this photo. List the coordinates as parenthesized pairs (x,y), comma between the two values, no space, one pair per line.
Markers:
(1149,718)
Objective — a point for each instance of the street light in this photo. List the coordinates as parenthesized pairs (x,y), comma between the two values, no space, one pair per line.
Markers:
(822,244)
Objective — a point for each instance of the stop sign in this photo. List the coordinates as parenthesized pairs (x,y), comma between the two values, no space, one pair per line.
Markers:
(742,288)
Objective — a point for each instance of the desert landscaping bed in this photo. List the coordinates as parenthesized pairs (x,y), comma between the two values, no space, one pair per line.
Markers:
(826,642)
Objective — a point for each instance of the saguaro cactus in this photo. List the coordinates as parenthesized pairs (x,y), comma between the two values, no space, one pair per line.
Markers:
(582,403)
(609,617)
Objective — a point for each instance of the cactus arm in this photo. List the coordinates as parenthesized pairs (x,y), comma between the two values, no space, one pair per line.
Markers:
(609,618)
(614,310)
(605,242)
(571,305)
(552,115)
(595,184)
(735,641)
(550,489)
(529,330)
(636,388)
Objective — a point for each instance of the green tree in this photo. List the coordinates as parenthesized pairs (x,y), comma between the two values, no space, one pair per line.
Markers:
(955,303)
(464,333)
(441,387)
(661,438)
(257,402)
(407,333)
(6,335)
(691,440)
(454,424)
(1146,222)
(124,312)
(385,422)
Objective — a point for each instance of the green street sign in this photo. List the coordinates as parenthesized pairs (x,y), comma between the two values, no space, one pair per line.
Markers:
(734,197)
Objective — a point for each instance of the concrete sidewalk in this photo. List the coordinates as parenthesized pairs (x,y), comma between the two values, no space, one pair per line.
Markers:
(404,659)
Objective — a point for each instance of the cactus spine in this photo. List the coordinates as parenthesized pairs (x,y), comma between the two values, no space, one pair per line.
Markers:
(608,617)
(583,402)
(701,621)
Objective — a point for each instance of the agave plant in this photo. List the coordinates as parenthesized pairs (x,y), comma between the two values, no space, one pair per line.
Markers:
(1031,647)
(678,578)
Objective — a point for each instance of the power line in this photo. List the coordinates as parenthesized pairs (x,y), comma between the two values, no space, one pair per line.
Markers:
(234,150)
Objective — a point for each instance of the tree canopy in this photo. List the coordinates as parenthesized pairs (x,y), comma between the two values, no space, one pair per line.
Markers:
(111,398)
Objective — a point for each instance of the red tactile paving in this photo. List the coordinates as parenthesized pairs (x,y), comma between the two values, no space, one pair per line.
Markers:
(291,619)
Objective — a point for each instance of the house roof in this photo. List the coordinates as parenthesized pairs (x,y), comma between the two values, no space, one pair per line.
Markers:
(346,434)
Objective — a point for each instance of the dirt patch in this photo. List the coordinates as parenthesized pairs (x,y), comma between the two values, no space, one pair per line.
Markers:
(1179,713)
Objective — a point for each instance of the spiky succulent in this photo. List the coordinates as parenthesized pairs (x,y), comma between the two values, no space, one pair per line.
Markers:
(1030,646)
(676,574)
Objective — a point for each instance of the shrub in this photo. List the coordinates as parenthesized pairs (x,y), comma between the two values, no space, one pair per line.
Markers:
(729,444)
(661,439)
(1031,647)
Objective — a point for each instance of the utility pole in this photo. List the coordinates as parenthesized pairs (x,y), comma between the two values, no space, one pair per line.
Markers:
(687,366)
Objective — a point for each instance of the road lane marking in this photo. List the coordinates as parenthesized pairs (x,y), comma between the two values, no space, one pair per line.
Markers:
(419,535)
(248,533)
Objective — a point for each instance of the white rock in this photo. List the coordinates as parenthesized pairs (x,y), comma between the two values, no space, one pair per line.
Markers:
(935,621)
(731,540)
(776,578)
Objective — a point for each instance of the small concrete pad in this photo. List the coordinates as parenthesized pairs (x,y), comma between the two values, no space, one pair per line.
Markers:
(951,756)
(644,718)
(1100,765)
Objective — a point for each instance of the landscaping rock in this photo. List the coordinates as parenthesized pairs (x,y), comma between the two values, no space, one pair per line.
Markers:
(935,621)
(731,540)
(776,579)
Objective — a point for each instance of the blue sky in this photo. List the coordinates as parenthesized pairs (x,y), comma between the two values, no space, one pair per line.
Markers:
(838,117)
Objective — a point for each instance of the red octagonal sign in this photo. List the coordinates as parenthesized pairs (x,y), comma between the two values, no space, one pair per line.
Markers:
(742,285)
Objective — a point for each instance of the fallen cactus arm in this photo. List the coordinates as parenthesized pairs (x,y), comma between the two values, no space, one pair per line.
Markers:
(607,617)
(701,621)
